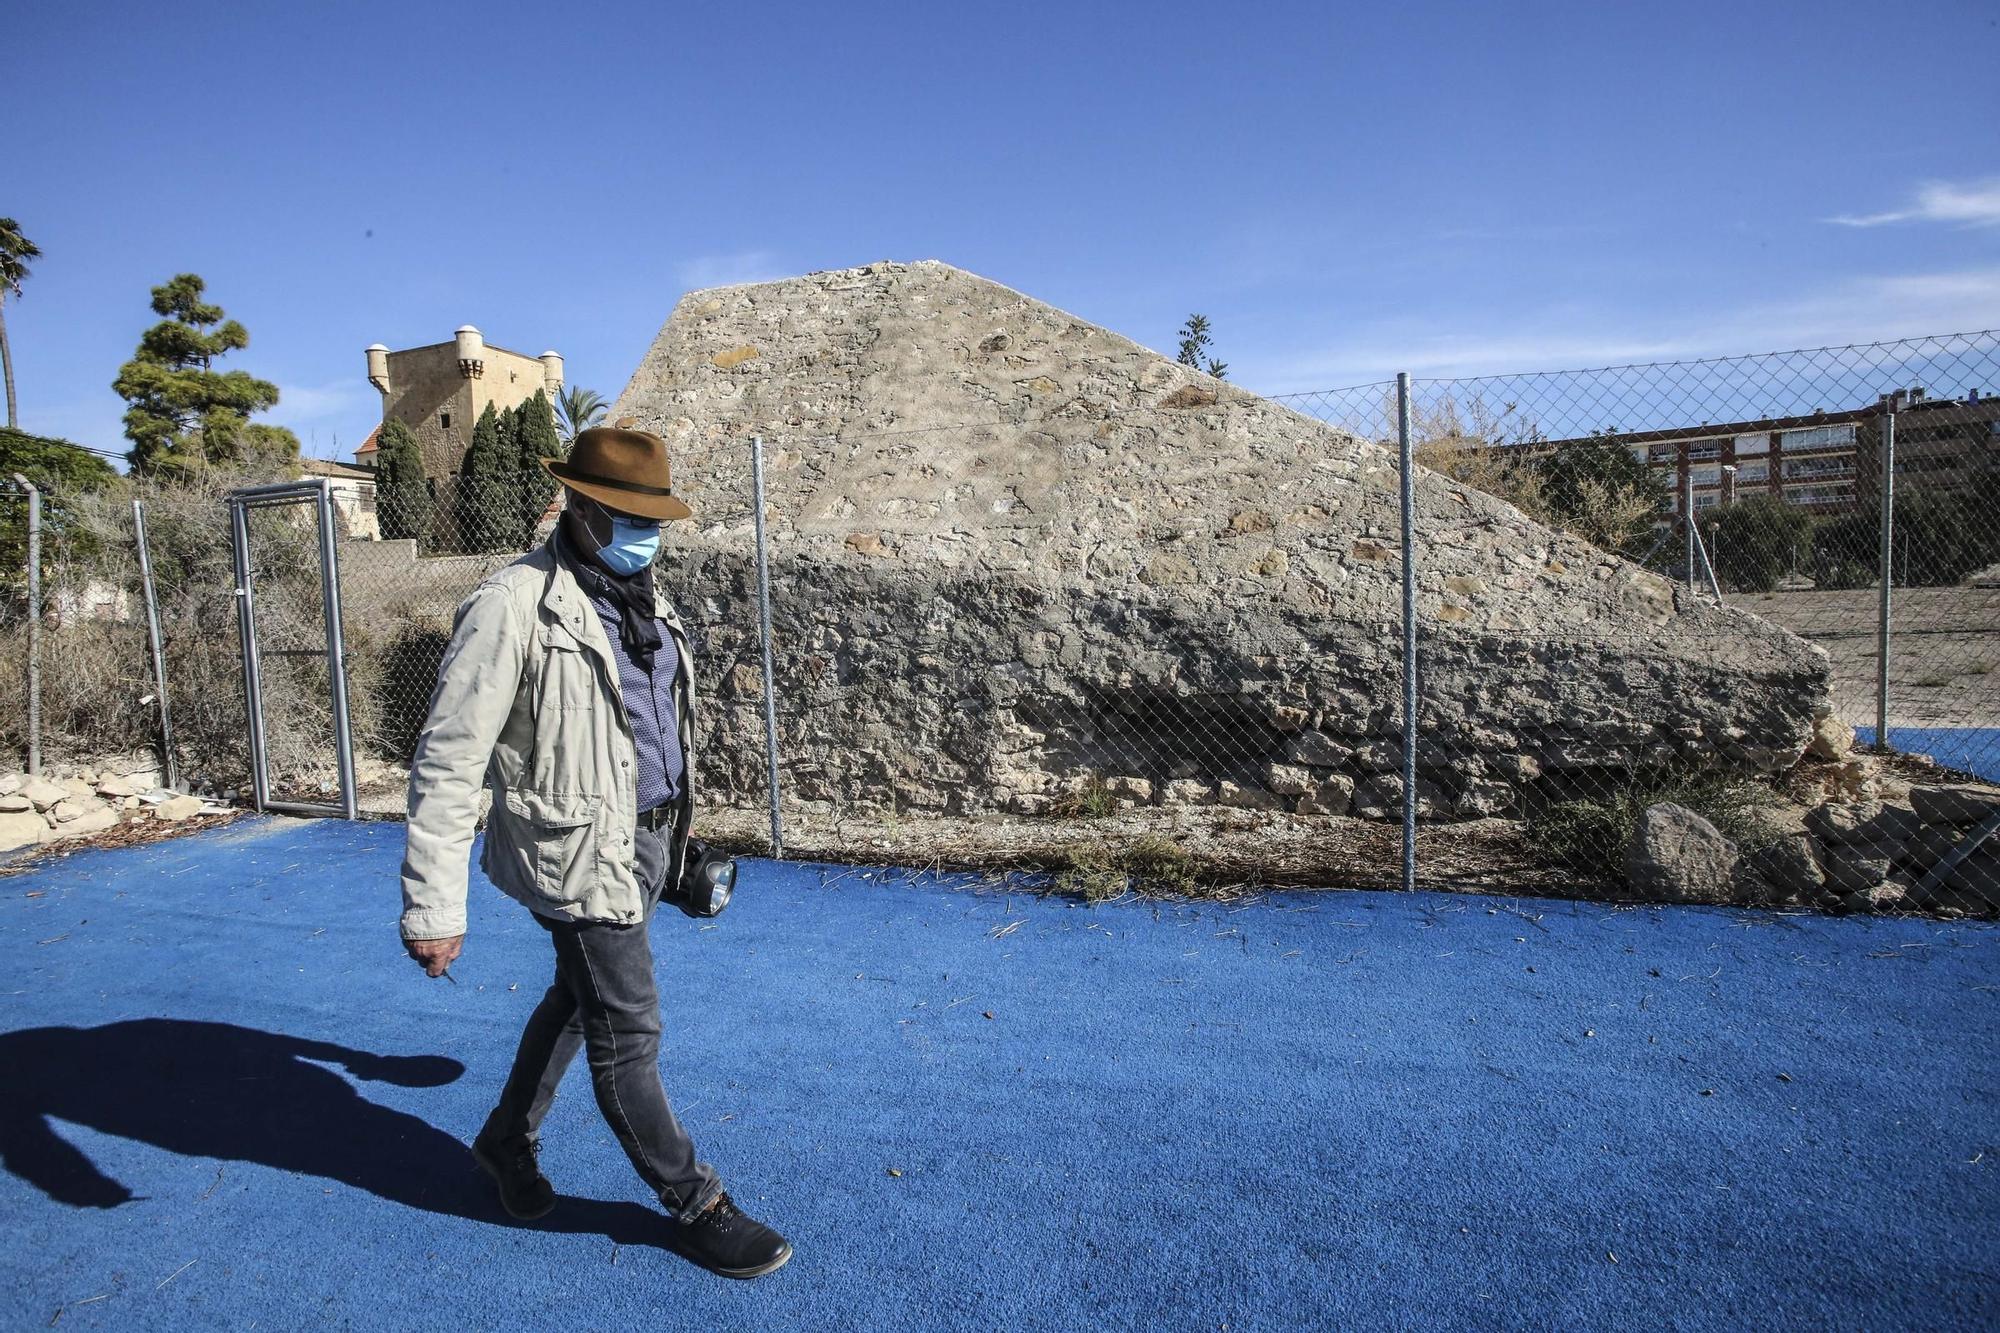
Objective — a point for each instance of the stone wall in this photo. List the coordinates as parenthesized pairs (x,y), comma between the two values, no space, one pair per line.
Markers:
(1016,554)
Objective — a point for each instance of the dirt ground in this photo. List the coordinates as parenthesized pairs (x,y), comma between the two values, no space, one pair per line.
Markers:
(1230,851)
(1944,650)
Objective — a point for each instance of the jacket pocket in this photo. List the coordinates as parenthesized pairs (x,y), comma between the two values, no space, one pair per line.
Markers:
(568,671)
(558,833)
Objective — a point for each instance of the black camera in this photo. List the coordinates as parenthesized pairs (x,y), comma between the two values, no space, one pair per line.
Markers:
(708,878)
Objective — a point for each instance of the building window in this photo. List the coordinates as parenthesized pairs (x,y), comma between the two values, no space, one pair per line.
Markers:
(1666,453)
(1759,443)
(1758,471)
(1820,437)
(1816,468)
(444,419)
(1705,449)
(1708,475)
(1702,502)
(1819,495)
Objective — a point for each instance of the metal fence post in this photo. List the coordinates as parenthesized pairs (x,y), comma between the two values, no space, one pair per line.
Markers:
(1882,610)
(1707,565)
(34,624)
(336,646)
(168,769)
(246,631)
(1407,468)
(1687,517)
(764,628)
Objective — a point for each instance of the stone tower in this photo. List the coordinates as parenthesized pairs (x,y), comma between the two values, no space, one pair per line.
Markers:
(439,391)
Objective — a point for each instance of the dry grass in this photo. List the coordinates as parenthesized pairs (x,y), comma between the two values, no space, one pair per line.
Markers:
(128,833)
(1205,851)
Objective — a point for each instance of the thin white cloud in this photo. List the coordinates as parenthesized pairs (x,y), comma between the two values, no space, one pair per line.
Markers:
(732,270)
(1870,309)
(1963,203)
(1858,310)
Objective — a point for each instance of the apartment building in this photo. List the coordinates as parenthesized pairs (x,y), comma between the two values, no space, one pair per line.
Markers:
(1822,462)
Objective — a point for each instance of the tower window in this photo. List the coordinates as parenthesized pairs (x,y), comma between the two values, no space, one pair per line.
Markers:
(444,420)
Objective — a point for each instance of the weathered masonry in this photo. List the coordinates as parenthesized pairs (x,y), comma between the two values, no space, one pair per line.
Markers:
(1017,555)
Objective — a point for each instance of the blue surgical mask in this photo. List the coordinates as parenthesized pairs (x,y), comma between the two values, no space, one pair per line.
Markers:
(632,547)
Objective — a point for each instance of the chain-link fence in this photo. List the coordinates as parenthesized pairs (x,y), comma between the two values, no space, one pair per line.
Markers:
(1835,495)
(1160,635)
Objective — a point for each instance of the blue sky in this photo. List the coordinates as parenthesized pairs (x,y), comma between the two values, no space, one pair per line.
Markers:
(1345,190)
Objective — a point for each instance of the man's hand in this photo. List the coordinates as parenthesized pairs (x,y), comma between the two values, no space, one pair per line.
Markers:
(435,955)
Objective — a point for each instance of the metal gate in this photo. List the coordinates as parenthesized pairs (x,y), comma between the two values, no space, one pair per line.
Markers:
(267,529)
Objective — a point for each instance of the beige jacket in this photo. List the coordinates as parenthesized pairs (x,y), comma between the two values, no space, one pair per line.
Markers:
(527,703)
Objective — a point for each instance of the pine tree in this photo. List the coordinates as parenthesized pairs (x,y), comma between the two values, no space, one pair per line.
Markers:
(488,491)
(536,438)
(402,499)
(1195,343)
(185,413)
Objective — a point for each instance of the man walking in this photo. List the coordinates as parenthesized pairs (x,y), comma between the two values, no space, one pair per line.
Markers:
(567,689)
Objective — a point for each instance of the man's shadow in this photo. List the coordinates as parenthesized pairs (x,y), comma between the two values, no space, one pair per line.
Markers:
(240,1095)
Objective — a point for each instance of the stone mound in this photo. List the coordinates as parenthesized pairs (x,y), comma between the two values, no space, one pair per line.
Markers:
(1019,560)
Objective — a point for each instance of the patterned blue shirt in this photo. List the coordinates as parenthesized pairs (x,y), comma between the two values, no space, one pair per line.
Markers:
(649,702)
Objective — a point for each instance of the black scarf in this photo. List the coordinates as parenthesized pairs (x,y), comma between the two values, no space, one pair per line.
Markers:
(632,594)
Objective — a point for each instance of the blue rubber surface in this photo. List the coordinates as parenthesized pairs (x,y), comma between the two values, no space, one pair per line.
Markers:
(231,1103)
(1968,749)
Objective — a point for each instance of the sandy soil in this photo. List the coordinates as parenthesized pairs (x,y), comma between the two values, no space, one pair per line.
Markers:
(1944,650)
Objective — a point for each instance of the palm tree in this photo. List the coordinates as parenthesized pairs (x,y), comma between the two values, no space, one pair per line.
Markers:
(14,250)
(579,410)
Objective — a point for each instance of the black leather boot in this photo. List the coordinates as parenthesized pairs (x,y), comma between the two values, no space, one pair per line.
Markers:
(524,1191)
(727,1241)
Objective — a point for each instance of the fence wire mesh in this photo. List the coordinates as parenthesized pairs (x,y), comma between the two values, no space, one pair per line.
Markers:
(1642,592)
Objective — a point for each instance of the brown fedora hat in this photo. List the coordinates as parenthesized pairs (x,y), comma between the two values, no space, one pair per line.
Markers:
(623,467)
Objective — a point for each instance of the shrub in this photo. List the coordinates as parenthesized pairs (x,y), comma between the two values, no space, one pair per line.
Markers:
(1755,541)
(1097,872)
(1589,834)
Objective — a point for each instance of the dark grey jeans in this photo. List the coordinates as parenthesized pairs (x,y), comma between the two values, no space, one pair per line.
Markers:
(604,1000)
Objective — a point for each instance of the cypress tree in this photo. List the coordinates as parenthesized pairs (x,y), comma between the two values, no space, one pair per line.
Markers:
(402,500)
(536,438)
(487,499)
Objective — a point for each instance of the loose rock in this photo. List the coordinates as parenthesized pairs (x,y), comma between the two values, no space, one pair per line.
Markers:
(1862,823)
(22,830)
(177,808)
(94,818)
(73,808)
(1677,856)
(42,792)
(1854,868)
(1961,804)
(1831,739)
(1791,866)
(1881,898)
